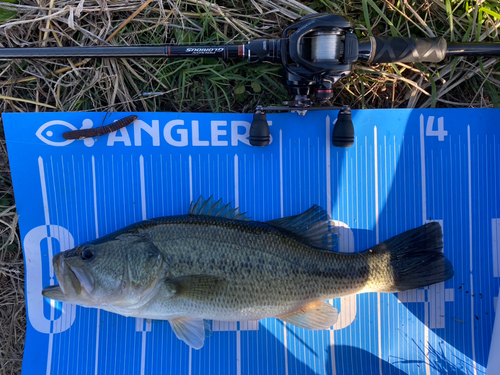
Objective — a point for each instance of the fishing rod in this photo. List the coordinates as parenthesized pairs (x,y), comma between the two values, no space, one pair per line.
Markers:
(316,52)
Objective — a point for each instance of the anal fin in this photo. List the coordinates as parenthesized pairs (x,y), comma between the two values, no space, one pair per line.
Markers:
(314,316)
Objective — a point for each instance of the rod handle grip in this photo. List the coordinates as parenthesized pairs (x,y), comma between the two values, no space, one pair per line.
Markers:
(394,49)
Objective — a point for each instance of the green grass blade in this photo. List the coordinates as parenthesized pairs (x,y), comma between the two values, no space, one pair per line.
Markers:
(374,6)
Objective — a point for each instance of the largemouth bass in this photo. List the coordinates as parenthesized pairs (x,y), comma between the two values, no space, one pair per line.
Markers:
(213,263)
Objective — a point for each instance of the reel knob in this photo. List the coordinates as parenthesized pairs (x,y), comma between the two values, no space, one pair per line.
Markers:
(343,131)
(259,130)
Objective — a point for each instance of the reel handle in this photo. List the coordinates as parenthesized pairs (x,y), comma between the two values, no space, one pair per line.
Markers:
(394,49)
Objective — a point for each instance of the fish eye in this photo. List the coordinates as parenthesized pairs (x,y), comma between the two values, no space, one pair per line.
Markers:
(151,254)
(87,254)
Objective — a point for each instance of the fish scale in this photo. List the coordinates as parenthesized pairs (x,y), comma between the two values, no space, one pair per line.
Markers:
(213,263)
(256,261)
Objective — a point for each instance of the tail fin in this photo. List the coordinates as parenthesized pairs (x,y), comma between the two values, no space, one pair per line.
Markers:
(411,260)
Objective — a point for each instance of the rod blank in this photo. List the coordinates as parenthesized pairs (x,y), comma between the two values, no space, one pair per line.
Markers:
(473,49)
(98,51)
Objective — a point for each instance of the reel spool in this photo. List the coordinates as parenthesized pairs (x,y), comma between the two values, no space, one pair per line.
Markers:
(326,46)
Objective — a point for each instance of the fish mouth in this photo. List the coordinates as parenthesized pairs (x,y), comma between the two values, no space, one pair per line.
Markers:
(69,287)
(54,292)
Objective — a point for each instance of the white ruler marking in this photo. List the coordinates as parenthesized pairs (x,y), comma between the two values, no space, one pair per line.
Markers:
(139,321)
(328,171)
(422,163)
(329,211)
(237,204)
(236,183)
(424,219)
(94,188)
(190,179)
(96,369)
(495,230)
(238,352)
(143,188)
(281,173)
(377,235)
(50,251)
(285,341)
(472,318)
(95,197)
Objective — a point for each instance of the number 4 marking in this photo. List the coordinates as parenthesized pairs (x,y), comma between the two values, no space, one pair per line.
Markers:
(440,132)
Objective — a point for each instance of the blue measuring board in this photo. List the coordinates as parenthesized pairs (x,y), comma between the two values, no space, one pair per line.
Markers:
(406,167)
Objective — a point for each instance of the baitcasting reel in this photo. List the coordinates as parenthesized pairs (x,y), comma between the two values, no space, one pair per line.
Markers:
(318,51)
(315,53)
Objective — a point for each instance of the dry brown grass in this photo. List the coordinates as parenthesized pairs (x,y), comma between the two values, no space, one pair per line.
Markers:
(12,308)
(208,85)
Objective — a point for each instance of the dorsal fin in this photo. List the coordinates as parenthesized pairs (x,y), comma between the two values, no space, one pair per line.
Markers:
(314,225)
(209,207)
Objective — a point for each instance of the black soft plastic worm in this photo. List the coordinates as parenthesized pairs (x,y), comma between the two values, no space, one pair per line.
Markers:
(101,130)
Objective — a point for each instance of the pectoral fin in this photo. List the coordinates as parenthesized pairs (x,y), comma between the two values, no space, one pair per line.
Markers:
(314,316)
(195,287)
(191,331)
